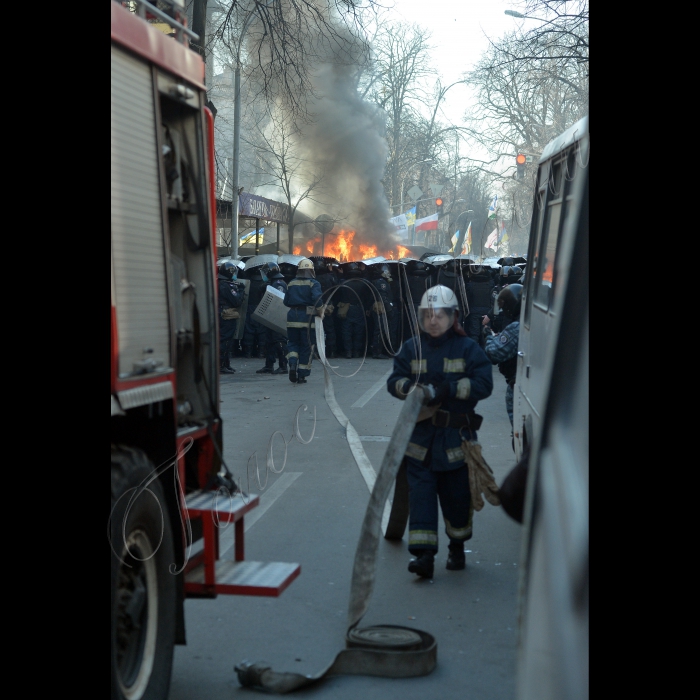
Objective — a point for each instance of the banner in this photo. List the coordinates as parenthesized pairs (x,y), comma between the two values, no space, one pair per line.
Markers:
(400,225)
(429,223)
(255,207)
(250,237)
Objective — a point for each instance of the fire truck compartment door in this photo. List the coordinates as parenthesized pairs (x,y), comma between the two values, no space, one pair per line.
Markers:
(138,245)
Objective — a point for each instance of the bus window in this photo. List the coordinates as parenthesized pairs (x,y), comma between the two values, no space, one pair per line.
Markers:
(535,234)
(548,247)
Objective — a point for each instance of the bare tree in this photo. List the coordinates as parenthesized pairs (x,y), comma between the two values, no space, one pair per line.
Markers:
(394,81)
(563,34)
(275,146)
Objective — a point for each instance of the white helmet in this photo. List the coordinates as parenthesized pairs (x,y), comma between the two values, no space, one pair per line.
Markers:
(437,310)
(305,268)
(439,297)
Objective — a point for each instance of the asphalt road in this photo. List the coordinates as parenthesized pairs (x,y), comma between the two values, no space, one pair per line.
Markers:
(311,512)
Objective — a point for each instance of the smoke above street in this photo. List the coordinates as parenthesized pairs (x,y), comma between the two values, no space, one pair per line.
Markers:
(335,149)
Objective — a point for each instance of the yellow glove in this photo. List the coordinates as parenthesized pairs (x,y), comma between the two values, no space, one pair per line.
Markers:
(480,476)
(329,309)
(378,307)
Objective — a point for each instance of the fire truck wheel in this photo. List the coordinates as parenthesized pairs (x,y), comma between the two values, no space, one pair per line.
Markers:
(143,589)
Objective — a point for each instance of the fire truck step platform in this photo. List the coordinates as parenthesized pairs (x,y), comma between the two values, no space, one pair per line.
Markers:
(228,509)
(244,578)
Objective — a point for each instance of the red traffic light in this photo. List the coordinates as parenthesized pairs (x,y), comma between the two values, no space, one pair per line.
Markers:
(438,201)
(520,160)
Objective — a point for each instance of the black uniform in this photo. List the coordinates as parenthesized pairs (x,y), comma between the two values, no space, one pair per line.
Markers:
(254,332)
(276,343)
(381,309)
(231,293)
(479,295)
(329,280)
(353,297)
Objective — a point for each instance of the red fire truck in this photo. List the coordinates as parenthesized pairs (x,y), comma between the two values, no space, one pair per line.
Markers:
(171,492)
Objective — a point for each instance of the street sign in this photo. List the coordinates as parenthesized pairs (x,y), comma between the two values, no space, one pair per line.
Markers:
(435,188)
(324,223)
(415,193)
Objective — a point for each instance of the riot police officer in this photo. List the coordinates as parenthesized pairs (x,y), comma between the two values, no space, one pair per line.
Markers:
(231,294)
(323,268)
(303,295)
(275,343)
(418,274)
(461,375)
(254,332)
(479,288)
(502,348)
(353,297)
(382,310)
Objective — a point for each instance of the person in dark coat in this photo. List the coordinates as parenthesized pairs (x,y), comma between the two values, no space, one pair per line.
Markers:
(460,375)
(231,295)
(353,297)
(382,311)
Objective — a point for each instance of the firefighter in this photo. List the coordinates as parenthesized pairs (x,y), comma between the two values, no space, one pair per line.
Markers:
(382,310)
(275,343)
(328,280)
(461,375)
(502,348)
(353,297)
(303,294)
(231,294)
(255,333)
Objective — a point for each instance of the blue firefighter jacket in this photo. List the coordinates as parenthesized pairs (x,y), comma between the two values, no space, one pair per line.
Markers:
(461,362)
(303,292)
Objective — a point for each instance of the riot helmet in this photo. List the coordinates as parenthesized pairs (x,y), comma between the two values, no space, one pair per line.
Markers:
(229,269)
(417,268)
(438,310)
(509,300)
(385,273)
(351,269)
(271,270)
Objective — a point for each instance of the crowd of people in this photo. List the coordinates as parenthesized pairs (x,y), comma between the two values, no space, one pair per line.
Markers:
(369,309)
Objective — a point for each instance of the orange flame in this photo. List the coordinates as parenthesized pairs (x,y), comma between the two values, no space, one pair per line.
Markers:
(368,251)
(343,248)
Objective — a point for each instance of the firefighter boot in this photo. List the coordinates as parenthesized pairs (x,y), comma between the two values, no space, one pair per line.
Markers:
(423,565)
(293,372)
(456,559)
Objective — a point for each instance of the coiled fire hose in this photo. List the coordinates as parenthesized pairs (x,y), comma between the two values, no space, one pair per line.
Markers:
(388,651)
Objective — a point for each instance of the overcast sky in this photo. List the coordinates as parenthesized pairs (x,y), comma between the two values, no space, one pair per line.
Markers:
(460,30)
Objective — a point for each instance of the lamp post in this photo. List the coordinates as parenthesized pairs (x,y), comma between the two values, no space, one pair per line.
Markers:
(236,132)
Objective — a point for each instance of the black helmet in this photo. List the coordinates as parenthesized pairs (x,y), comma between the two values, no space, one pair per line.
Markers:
(418,268)
(352,269)
(509,299)
(227,269)
(272,270)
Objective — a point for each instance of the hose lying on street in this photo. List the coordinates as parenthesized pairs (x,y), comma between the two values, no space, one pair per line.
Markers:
(389,651)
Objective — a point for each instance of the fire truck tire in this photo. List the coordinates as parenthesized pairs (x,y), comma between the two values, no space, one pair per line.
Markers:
(143,589)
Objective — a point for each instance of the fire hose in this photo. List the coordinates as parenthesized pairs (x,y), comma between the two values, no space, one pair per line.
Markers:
(388,651)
